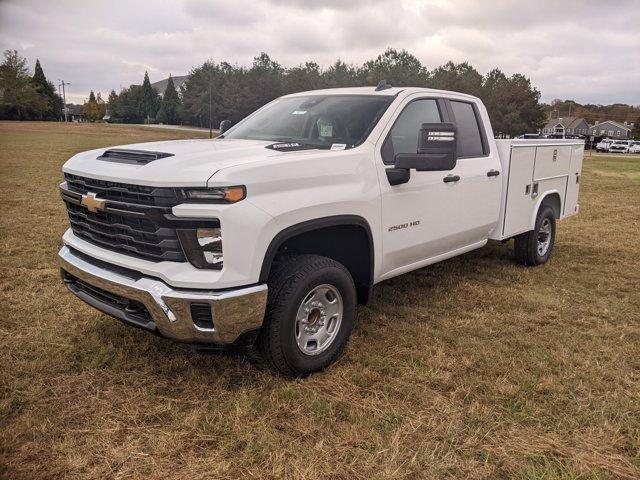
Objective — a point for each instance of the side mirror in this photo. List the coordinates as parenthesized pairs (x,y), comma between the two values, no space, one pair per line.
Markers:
(224,126)
(436,149)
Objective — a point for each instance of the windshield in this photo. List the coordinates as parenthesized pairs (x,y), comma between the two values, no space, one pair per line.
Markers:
(319,121)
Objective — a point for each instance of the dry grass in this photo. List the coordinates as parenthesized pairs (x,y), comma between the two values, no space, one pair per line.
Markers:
(473,368)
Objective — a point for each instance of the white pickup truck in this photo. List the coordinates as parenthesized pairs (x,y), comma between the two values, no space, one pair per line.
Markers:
(273,232)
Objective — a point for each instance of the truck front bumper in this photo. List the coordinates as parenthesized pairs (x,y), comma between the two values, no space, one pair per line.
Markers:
(151,304)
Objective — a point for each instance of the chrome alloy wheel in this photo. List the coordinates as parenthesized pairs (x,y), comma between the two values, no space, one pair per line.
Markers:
(544,237)
(318,319)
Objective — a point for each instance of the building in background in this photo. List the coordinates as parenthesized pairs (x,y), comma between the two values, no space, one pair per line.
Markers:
(611,129)
(566,126)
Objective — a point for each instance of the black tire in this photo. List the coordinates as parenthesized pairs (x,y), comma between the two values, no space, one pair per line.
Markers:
(526,244)
(289,284)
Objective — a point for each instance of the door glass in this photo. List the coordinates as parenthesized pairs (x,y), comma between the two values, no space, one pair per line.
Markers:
(403,137)
(469,138)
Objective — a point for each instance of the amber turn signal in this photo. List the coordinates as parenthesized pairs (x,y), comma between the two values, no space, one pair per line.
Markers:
(234,194)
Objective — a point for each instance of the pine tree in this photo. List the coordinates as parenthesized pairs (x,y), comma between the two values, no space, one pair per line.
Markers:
(168,112)
(149,100)
(46,89)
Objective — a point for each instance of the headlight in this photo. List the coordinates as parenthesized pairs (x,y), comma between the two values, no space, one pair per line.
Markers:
(202,247)
(215,194)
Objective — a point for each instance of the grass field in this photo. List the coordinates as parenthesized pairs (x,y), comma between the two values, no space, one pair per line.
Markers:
(472,368)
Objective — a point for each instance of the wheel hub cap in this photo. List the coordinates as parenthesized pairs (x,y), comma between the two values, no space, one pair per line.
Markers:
(544,237)
(318,319)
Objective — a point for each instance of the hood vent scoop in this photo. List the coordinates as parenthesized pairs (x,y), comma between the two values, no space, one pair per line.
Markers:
(135,157)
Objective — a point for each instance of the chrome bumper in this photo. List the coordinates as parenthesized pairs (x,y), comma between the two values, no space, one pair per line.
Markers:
(234,312)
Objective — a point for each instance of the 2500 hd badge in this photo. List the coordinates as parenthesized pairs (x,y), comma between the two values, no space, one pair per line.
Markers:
(415,223)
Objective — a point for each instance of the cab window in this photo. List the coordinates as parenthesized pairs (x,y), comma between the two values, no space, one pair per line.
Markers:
(403,137)
(469,133)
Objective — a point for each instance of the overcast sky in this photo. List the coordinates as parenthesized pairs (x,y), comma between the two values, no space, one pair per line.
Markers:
(586,50)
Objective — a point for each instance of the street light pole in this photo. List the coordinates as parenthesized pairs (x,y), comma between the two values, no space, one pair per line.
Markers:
(210,125)
(60,94)
(64,98)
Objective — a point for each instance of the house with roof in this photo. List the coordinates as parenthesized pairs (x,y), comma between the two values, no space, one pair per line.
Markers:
(566,126)
(611,129)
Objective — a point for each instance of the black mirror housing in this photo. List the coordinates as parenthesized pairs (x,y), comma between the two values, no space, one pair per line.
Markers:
(437,149)
(397,176)
(224,126)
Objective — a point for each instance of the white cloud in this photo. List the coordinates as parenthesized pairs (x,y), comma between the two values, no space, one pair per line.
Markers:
(587,53)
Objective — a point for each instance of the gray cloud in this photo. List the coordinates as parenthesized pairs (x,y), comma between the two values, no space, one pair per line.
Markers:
(587,53)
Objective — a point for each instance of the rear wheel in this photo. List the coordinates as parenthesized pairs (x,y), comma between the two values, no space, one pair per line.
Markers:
(535,247)
(310,311)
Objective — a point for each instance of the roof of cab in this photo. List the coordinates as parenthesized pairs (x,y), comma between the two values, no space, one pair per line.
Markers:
(387,92)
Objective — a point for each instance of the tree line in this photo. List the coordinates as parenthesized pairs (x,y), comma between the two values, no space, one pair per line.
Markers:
(618,112)
(235,91)
(513,103)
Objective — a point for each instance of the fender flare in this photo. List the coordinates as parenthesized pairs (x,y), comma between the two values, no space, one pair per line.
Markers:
(315,224)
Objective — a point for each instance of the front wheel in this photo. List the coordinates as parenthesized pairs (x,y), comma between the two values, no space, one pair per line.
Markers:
(534,247)
(310,311)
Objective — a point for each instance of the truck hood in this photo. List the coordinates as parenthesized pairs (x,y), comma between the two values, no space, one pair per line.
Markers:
(192,162)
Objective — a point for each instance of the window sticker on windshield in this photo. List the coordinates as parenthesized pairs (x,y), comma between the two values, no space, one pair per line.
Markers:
(325,129)
(298,112)
(338,146)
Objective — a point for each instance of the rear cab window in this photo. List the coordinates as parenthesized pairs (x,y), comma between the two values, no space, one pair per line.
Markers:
(471,136)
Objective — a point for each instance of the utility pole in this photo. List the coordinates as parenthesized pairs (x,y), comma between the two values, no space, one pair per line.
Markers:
(64,98)
(60,95)
(210,125)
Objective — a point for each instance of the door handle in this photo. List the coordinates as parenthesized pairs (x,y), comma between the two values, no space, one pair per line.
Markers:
(451,178)
(493,173)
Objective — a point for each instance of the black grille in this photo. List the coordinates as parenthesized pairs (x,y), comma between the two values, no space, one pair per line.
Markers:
(135,236)
(130,308)
(123,192)
(125,227)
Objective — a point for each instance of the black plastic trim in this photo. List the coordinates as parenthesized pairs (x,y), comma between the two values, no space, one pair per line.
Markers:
(193,251)
(135,157)
(308,226)
(104,307)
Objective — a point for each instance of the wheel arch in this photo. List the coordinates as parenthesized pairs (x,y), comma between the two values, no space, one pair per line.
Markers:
(551,198)
(344,238)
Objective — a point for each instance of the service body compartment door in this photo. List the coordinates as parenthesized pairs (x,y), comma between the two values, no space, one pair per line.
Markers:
(519,202)
(552,161)
(573,181)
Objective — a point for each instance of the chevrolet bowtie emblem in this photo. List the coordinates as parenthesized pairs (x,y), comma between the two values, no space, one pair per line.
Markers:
(92,203)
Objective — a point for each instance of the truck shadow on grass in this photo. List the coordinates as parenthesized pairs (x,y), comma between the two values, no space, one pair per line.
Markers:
(431,289)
